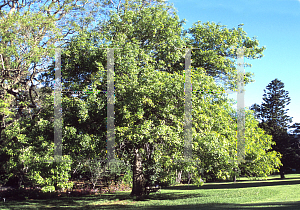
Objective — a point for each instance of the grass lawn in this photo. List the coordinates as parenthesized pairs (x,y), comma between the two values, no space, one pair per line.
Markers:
(244,194)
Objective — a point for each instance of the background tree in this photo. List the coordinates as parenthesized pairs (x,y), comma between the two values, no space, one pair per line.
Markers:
(28,147)
(29,33)
(23,46)
(294,146)
(273,119)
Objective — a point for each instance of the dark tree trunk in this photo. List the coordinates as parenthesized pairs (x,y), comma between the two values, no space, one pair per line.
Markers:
(234,175)
(20,180)
(138,188)
(282,173)
(189,177)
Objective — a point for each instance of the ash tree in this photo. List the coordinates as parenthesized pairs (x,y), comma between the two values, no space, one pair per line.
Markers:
(139,130)
(272,114)
(149,79)
(149,105)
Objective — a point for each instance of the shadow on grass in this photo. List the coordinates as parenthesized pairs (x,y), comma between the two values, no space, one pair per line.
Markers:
(217,206)
(232,185)
(82,203)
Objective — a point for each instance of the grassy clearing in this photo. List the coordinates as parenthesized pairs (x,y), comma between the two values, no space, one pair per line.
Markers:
(244,194)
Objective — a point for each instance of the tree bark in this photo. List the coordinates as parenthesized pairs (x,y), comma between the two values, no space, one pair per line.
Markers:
(234,175)
(20,180)
(282,173)
(138,188)
(189,177)
(178,178)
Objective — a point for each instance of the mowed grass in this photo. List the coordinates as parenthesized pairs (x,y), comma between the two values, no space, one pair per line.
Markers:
(244,194)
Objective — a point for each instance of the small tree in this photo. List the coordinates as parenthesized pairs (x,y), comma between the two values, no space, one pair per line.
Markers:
(97,170)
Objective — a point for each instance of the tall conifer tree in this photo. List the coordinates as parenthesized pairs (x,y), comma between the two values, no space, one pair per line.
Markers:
(274,119)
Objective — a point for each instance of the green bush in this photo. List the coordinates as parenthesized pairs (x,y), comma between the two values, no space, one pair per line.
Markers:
(53,175)
(197,180)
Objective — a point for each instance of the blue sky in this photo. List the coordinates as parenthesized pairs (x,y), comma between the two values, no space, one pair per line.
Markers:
(275,23)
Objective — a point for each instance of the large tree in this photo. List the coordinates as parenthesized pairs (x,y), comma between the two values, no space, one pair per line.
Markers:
(272,114)
(149,110)
(138,128)
(149,104)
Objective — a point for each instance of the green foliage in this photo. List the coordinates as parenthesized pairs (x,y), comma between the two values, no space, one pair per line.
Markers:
(218,46)
(197,180)
(262,161)
(51,176)
(29,150)
(29,146)
(127,178)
